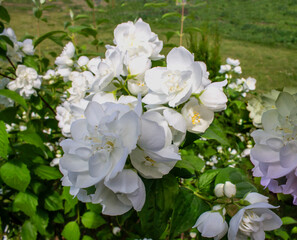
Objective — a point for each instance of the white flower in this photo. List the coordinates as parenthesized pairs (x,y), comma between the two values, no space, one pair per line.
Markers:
(68,112)
(119,194)
(254,197)
(213,96)
(156,154)
(109,68)
(14,53)
(219,190)
(229,189)
(250,83)
(252,221)
(211,224)
(136,68)
(237,70)
(198,117)
(49,74)
(233,62)
(27,46)
(224,68)
(175,83)
(137,39)
(65,59)
(83,61)
(27,79)
(175,120)
(116,231)
(81,83)
(100,144)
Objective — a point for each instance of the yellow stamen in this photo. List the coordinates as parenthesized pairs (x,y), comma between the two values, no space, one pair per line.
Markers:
(196,118)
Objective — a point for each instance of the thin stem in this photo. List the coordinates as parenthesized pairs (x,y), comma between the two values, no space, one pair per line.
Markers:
(6,76)
(11,63)
(46,103)
(182,24)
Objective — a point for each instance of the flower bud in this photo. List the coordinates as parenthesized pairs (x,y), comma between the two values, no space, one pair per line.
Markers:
(219,190)
(229,189)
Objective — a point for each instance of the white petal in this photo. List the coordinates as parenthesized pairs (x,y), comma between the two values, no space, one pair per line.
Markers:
(125,182)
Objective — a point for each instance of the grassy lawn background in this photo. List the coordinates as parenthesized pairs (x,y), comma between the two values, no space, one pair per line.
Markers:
(261,34)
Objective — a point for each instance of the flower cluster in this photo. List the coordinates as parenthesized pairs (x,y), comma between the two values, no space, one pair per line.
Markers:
(251,220)
(111,136)
(275,151)
(241,85)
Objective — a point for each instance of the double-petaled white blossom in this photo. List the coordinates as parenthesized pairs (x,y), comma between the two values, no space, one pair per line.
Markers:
(274,155)
(175,83)
(137,39)
(26,82)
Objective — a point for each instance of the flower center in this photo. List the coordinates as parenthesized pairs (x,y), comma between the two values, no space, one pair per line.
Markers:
(195,118)
(251,222)
(149,161)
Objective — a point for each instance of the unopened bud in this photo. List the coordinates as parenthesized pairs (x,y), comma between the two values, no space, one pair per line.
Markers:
(229,189)
(219,190)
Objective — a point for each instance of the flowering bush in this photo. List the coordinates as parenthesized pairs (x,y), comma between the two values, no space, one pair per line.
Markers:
(150,140)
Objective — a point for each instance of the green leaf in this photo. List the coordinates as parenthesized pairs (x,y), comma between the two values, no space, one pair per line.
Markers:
(171,14)
(40,221)
(45,36)
(14,96)
(76,29)
(192,158)
(47,172)
(90,3)
(70,201)
(4,15)
(71,231)
(281,233)
(2,27)
(16,175)
(294,230)
(288,220)
(97,208)
(244,187)
(159,204)
(81,16)
(31,137)
(32,62)
(188,207)
(26,202)
(156,5)
(37,12)
(92,220)
(86,237)
(4,142)
(29,231)
(7,40)
(89,31)
(205,180)
(53,202)
(216,132)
